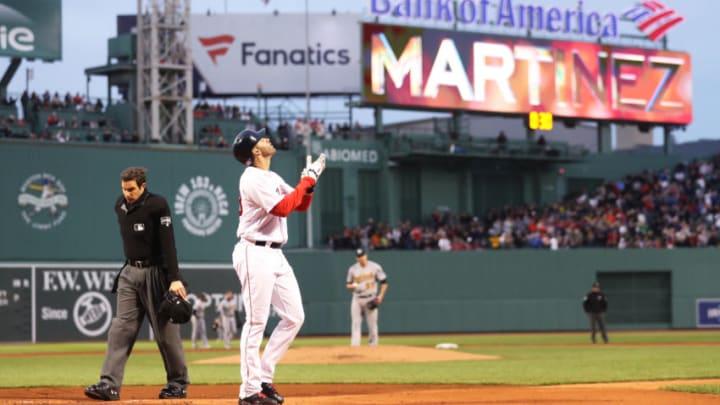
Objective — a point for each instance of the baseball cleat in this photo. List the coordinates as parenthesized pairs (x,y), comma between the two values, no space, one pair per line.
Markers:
(269,390)
(172,392)
(102,391)
(257,399)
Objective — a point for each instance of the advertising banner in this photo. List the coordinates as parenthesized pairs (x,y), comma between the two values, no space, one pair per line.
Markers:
(75,302)
(653,19)
(15,304)
(346,153)
(708,312)
(248,54)
(442,69)
(31,29)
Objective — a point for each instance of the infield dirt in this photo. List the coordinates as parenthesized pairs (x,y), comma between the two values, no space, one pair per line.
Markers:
(640,392)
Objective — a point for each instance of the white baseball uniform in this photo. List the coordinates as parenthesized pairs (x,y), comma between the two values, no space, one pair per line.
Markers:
(366,278)
(266,277)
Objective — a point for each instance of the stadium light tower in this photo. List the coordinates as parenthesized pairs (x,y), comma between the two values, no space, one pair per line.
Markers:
(164,71)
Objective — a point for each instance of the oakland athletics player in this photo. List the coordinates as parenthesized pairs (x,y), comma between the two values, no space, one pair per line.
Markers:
(265,275)
(199,329)
(227,308)
(362,279)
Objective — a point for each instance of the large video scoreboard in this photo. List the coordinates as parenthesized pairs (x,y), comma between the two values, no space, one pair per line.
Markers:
(458,70)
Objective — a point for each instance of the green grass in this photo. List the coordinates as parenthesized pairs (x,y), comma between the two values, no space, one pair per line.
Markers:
(696,389)
(526,359)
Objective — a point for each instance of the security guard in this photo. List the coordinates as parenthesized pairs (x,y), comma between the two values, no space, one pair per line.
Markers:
(595,306)
(149,244)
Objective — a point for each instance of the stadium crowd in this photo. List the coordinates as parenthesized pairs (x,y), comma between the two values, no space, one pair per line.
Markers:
(668,208)
(62,118)
(284,135)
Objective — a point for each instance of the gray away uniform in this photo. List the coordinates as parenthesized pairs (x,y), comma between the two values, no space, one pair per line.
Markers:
(229,324)
(367,279)
(199,328)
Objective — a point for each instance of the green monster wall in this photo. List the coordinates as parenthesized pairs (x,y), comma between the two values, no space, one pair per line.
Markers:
(512,290)
(86,182)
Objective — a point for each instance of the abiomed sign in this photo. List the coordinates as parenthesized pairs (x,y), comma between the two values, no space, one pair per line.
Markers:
(31,29)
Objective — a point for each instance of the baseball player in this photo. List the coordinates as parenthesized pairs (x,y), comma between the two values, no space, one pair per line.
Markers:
(595,305)
(362,279)
(265,275)
(199,328)
(226,308)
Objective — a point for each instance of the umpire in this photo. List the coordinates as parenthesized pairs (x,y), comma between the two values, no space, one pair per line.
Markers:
(151,263)
(595,305)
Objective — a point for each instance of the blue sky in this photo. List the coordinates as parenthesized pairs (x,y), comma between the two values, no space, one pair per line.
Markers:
(87,25)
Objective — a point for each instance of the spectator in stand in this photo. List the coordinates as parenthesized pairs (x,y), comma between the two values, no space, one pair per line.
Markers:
(443,241)
(302,129)
(52,119)
(501,142)
(24,101)
(283,131)
(55,102)
(665,209)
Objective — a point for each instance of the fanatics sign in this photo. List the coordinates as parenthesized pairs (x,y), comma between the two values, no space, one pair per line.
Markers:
(244,54)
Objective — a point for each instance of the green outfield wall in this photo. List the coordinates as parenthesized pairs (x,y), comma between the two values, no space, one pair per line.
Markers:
(58,198)
(512,290)
(74,219)
(429,292)
(59,242)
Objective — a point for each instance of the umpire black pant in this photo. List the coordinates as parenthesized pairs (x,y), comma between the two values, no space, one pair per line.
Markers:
(135,298)
(597,319)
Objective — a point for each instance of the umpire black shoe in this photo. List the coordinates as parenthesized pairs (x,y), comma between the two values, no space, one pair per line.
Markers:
(257,399)
(172,392)
(102,391)
(269,390)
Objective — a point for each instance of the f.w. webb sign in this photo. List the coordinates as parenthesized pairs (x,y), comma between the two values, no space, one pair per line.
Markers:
(77,295)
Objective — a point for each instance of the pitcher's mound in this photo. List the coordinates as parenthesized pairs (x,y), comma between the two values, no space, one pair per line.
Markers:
(361,354)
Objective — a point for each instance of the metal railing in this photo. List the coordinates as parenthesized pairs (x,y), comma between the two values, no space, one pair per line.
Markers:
(482,147)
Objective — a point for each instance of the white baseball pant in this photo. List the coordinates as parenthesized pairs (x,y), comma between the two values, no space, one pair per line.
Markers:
(266,278)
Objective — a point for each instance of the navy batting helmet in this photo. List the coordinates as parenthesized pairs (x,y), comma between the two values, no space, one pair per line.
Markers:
(244,142)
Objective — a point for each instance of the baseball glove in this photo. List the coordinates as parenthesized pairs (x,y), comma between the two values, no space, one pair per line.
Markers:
(373,304)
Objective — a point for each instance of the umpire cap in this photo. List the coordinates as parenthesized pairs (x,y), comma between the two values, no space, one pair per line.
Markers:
(244,143)
(175,308)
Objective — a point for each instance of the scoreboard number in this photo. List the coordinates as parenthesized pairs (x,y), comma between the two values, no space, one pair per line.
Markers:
(540,120)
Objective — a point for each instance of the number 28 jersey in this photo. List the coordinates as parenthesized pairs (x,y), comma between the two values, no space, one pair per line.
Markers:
(260,191)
